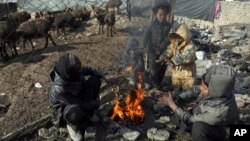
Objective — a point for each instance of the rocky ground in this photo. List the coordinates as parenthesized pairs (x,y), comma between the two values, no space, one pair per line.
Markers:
(24,80)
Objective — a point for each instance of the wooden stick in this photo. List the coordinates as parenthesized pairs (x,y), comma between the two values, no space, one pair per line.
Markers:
(27,129)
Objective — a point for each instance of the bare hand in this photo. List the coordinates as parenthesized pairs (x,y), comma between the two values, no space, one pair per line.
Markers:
(167,99)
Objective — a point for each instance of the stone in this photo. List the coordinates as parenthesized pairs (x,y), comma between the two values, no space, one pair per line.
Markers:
(159,135)
(246,82)
(131,136)
(151,132)
(163,119)
(4,100)
(171,126)
(88,34)
(79,35)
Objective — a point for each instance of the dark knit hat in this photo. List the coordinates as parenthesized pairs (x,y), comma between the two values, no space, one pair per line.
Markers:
(68,67)
(163,4)
(132,43)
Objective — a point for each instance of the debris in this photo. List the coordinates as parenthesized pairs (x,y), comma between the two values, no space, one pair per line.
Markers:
(38,85)
(88,34)
(79,35)
(200,55)
(4,100)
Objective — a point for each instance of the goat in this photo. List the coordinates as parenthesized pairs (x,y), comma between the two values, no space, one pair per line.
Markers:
(113,4)
(104,18)
(7,35)
(33,29)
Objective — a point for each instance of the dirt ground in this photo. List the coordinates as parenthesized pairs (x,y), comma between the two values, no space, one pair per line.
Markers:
(19,75)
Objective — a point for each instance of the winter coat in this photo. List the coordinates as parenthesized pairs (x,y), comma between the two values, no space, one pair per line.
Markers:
(182,56)
(63,93)
(155,38)
(133,58)
(219,108)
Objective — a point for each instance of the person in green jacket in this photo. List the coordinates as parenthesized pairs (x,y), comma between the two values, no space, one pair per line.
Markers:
(215,106)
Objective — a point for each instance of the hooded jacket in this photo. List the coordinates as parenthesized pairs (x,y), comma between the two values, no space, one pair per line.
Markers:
(182,56)
(70,87)
(219,108)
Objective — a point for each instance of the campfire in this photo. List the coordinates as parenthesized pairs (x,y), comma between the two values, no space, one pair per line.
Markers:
(132,111)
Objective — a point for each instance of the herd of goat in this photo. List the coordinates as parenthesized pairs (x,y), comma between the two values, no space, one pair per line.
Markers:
(19,25)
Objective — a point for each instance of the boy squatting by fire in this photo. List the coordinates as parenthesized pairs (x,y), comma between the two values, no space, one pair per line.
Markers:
(133,64)
(215,106)
(75,99)
(181,54)
(155,39)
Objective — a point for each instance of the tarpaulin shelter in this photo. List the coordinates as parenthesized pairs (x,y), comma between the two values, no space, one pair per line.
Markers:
(195,9)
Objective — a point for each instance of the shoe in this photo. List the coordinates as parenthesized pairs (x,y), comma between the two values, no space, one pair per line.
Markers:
(74,134)
(52,132)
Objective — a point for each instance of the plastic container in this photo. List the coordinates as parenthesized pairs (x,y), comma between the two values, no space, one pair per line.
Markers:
(200,55)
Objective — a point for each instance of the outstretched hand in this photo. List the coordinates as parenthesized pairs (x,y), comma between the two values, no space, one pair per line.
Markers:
(166,98)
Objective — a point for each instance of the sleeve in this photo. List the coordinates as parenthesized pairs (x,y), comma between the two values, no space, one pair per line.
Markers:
(67,100)
(91,71)
(146,36)
(211,116)
(140,63)
(190,93)
(166,41)
(187,57)
(167,54)
(125,60)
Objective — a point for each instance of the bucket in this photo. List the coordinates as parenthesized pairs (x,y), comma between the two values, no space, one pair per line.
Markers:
(200,55)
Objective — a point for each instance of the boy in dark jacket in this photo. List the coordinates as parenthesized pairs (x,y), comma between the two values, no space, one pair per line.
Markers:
(155,39)
(133,64)
(215,107)
(73,98)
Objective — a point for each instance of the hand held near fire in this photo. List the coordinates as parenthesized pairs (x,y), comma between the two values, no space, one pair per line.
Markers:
(166,98)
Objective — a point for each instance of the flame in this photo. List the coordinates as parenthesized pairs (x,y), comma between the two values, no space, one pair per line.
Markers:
(133,109)
(129,69)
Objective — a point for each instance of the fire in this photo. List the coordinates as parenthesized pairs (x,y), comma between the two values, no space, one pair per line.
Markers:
(129,69)
(133,109)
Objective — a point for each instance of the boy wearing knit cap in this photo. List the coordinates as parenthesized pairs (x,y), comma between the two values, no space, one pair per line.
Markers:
(133,64)
(75,99)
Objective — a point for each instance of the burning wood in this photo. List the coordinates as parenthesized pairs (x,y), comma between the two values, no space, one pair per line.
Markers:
(133,110)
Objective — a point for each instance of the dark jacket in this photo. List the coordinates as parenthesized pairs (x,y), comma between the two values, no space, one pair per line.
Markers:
(155,37)
(63,93)
(134,59)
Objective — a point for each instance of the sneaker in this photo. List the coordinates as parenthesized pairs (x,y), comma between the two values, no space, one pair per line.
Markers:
(52,132)
(74,134)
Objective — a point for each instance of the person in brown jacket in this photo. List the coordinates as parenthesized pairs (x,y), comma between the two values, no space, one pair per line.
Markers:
(181,54)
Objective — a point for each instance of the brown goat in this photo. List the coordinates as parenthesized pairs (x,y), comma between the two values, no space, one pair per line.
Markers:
(82,14)
(113,4)
(109,20)
(104,18)
(33,29)
(7,35)
(18,17)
